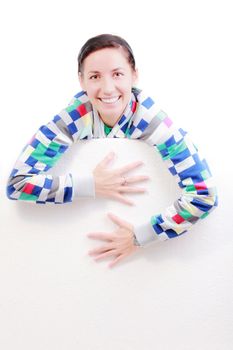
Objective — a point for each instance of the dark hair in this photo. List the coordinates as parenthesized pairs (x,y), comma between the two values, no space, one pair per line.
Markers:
(103,41)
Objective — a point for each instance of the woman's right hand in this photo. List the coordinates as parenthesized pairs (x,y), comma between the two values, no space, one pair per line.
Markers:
(112,183)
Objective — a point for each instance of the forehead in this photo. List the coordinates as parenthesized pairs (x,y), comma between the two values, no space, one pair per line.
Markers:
(105,59)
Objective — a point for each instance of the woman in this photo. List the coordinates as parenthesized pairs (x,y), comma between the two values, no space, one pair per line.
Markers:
(110,105)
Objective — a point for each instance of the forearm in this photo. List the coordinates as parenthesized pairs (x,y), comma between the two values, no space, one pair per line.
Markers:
(28,179)
(199,194)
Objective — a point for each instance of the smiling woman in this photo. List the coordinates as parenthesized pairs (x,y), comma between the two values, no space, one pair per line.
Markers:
(110,105)
(109,89)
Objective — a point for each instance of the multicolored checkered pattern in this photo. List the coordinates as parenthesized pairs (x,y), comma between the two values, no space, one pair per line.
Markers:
(142,119)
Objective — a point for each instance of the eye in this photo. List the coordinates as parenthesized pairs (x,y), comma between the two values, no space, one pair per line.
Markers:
(119,73)
(93,76)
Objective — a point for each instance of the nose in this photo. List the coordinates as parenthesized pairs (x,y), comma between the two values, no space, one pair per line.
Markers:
(108,86)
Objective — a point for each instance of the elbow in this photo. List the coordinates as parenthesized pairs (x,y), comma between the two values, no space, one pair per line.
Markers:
(14,186)
(203,201)
(10,189)
(213,196)
(209,203)
(214,200)
(212,203)
(10,194)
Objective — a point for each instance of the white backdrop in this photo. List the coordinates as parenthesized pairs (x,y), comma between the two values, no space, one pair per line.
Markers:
(172,295)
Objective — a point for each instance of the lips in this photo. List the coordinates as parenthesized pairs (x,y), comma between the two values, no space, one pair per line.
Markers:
(111,100)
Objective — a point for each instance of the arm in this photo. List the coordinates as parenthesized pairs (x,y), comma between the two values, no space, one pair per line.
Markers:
(197,200)
(198,197)
(28,180)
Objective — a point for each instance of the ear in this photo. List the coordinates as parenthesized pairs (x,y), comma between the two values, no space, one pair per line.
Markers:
(81,81)
(135,76)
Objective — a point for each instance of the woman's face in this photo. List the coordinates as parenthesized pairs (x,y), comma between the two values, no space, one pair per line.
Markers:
(108,79)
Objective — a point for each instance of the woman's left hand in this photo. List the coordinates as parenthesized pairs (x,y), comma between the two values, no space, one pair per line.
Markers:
(119,244)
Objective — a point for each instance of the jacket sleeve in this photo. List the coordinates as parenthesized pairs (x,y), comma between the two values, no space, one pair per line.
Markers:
(28,180)
(198,190)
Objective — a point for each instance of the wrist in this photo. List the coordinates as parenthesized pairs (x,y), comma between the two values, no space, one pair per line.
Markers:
(135,241)
(84,185)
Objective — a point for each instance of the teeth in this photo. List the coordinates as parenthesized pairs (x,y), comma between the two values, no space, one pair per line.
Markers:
(110,100)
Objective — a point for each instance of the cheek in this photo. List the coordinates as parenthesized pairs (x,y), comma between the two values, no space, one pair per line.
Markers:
(127,91)
(126,87)
(91,92)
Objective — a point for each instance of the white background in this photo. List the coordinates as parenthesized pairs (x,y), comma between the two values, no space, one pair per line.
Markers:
(173,295)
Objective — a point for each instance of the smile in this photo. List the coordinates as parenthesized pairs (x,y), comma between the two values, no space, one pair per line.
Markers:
(110,100)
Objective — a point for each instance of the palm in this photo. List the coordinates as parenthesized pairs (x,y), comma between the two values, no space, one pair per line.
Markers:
(119,243)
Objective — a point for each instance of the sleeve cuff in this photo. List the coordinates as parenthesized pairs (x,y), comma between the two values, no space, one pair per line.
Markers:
(145,234)
(84,185)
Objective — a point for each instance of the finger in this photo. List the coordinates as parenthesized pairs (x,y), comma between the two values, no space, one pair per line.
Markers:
(100,235)
(120,257)
(107,159)
(128,167)
(105,255)
(100,250)
(118,221)
(132,189)
(134,179)
(122,199)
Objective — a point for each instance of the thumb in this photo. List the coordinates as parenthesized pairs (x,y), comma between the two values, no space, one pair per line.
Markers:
(107,159)
(120,222)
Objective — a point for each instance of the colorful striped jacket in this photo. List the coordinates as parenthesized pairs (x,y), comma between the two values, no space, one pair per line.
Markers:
(143,120)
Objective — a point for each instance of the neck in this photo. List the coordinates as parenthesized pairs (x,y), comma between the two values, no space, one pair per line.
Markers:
(109,122)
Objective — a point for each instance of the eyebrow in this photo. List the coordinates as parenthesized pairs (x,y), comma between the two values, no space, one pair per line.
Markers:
(96,71)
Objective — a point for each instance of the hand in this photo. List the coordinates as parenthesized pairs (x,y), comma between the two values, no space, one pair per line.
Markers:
(111,183)
(119,243)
